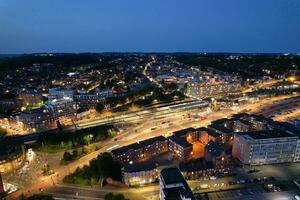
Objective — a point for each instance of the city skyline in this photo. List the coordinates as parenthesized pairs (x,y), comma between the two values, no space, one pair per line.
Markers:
(134,26)
(150,100)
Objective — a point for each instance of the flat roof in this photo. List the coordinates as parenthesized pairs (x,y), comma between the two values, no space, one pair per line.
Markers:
(180,141)
(266,134)
(139,167)
(125,149)
(173,176)
(152,140)
(212,132)
(183,131)
(246,122)
(220,128)
(137,145)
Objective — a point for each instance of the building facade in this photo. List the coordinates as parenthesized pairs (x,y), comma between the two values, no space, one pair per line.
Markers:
(216,154)
(129,154)
(60,93)
(87,101)
(65,107)
(204,90)
(31,98)
(154,146)
(264,147)
(35,119)
(297,152)
(139,173)
(180,148)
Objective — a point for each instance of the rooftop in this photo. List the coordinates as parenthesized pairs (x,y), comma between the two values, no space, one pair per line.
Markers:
(220,128)
(173,176)
(152,140)
(137,145)
(125,149)
(139,167)
(246,122)
(181,141)
(211,132)
(214,149)
(183,131)
(266,134)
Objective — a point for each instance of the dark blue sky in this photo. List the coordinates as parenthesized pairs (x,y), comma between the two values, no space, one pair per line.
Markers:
(149,25)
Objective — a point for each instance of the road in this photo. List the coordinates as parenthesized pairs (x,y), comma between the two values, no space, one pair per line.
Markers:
(251,194)
(139,129)
(71,191)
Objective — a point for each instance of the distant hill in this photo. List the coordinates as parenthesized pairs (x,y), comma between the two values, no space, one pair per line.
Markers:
(9,55)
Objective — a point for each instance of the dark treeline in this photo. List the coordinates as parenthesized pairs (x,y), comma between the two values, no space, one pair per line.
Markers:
(247,65)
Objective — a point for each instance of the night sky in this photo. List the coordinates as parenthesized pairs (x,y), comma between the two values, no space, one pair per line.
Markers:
(28,26)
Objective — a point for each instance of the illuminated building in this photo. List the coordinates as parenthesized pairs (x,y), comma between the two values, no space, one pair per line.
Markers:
(46,117)
(7,105)
(173,186)
(139,173)
(154,146)
(60,93)
(180,147)
(142,150)
(243,125)
(216,154)
(264,147)
(11,157)
(31,98)
(297,152)
(129,154)
(256,122)
(87,101)
(204,90)
(196,169)
(35,119)
(64,107)
(226,133)
(207,135)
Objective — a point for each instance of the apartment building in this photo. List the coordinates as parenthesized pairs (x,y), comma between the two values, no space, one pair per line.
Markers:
(264,147)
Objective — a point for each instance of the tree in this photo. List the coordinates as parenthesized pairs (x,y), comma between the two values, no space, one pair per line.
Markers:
(100,107)
(111,196)
(88,138)
(172,87)
(111,133)
(74,154)
(3,132)
(67,156)
(47,170)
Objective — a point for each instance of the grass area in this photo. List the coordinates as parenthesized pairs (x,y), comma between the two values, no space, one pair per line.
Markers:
(96,172)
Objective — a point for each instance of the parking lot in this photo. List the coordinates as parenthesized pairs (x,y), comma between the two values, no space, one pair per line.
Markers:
(249,194)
